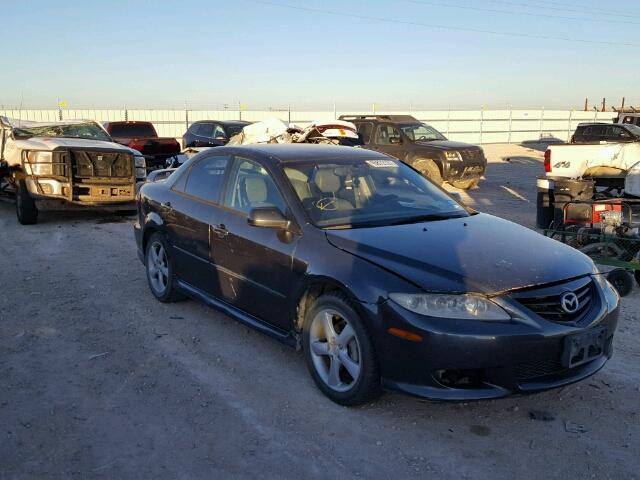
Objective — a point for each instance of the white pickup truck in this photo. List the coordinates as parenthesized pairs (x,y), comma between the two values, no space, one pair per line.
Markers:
(614,165)
(52,166)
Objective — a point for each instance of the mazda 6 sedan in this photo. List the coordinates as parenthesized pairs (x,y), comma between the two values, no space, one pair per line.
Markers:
(382,278)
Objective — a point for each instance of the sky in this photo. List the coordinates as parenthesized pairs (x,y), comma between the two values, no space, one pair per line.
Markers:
(308,54)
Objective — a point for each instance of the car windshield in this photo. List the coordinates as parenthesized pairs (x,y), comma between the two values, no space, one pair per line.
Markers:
(88,130)
(368,193)
(634,129)
(420,132)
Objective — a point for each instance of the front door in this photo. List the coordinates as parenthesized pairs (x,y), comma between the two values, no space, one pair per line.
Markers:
(388,139)
(254,263)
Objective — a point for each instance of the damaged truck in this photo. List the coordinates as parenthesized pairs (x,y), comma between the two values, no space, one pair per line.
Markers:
(62,165)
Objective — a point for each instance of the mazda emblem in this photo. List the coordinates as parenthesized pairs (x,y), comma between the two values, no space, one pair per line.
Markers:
(569,302)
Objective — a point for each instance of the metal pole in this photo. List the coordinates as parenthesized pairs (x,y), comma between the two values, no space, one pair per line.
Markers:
(569,125)
(240,110)
(510,123)
(481,122)
(448,120)
(335,115)
(289,111)
(541,123)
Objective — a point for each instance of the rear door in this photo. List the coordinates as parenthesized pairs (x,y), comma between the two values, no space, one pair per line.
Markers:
(193,208)
(254,263)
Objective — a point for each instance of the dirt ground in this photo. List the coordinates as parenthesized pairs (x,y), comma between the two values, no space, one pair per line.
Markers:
(99,380)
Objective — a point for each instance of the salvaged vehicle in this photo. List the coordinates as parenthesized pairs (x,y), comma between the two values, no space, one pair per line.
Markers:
(631,118)
(53,166)
(381,277)
(423,147)
(142,136)
(211,133)
(274,130)
(606,132)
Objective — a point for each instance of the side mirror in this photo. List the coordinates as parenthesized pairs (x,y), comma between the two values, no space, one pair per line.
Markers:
(221,138)
(268,217)
(395,140)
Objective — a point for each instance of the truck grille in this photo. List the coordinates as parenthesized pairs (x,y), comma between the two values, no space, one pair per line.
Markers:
(472,154)
(549,306)
(91,163)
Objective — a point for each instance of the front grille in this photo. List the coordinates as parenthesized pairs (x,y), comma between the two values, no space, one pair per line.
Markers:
(548,305)
(472,154)
(540,368)
(91,163)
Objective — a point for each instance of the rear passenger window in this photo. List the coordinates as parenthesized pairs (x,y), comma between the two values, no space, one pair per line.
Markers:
(205,129)
(205,178)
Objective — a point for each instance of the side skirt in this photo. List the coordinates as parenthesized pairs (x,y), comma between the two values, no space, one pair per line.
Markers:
(282,335)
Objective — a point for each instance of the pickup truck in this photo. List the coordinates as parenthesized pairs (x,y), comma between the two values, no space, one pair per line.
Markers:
(58,165)
(142,136)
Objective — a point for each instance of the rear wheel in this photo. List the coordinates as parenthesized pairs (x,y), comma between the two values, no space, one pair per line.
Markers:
(339,352)
(160,270)
(26,209)
(465,184)
(430,170)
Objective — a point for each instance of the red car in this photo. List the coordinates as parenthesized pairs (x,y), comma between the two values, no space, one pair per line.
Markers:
(142,136)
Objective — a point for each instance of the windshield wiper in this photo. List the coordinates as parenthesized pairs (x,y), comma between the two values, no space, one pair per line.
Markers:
(424,218)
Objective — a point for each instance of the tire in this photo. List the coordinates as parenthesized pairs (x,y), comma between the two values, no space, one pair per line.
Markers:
(621,280)
(344,369)
(159,267)
(429,169)
(636,275)
(465,184)
(26,209)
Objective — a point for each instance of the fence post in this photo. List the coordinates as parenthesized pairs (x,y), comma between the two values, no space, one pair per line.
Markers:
(569,125)
(448,121)
(510,123)
(481,122)
(541,123)
(186,118)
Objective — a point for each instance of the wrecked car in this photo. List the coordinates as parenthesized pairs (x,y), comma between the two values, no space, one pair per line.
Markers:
(59,165)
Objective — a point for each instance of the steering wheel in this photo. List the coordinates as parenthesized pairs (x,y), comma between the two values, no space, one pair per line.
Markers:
(326,204)
(422,138)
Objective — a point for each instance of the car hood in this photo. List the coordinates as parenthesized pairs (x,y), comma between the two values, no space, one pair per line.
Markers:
(480,253)
(448,145)
(51,143)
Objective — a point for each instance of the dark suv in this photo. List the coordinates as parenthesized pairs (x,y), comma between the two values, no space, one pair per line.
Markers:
(422,147)
(606,132)
(212,133)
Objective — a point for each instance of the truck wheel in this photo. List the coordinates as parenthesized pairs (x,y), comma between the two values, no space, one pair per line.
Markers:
(465,184)
(429,170)
(26,209)
(621,280)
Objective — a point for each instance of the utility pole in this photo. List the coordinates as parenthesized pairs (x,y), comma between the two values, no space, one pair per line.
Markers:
(586,104)
(604,105)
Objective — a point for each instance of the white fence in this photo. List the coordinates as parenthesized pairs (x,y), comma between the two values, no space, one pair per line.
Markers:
(472,126)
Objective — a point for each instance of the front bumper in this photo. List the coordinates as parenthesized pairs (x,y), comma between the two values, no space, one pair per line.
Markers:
(463,170)
(492,359)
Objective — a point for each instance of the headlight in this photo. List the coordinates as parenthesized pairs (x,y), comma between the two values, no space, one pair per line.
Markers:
(452,155)
(467,307)
(140,161)
(611,296)
(39,163)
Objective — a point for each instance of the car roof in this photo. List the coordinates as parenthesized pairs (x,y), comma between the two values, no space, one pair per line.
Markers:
(224,122)
(381,118)
(294,152)
(590,124)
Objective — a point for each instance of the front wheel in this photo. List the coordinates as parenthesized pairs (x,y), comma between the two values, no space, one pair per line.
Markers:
(160,270)
(339,352)
(465,184)
(429,169)
(26,209)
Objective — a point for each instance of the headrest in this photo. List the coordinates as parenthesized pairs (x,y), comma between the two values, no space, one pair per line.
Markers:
(327,181)
(256,189)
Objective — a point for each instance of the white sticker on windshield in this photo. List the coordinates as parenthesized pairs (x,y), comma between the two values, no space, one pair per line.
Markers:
(381,163)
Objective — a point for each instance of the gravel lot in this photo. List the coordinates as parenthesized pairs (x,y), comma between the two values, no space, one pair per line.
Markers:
(99,380)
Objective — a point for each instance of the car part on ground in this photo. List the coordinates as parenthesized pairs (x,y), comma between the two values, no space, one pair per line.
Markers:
(381,277)
(61,165)
(422,147)
(142,136)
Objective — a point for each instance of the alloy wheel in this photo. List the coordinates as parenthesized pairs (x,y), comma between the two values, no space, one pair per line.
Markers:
(335,350)
(158,267)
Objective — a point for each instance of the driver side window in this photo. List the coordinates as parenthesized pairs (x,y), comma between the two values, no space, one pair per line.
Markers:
(250,186)
(386,133)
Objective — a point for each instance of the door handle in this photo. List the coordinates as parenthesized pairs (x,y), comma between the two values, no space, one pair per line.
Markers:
(220,230)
